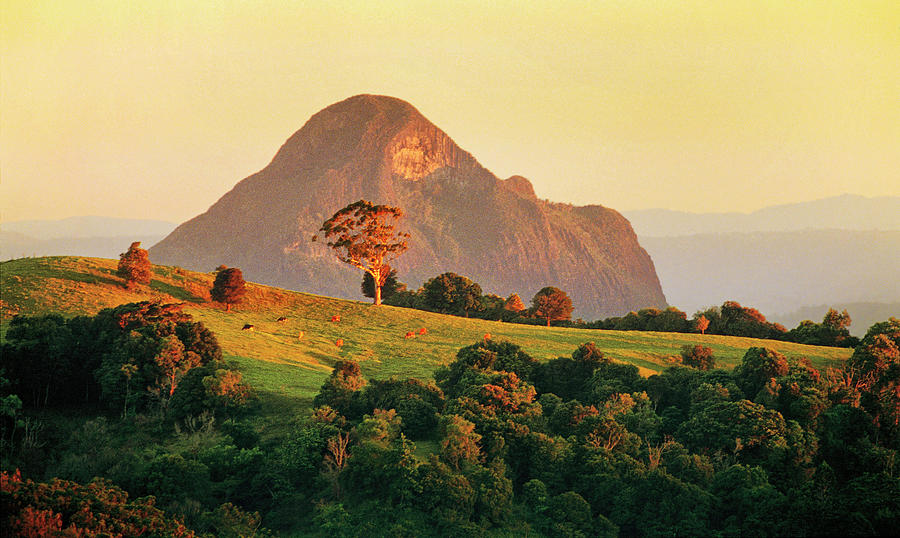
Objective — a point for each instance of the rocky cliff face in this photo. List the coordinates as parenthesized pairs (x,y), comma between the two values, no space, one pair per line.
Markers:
(461,218)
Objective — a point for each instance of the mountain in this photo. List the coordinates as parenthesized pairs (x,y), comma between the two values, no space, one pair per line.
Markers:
(846,212)
(779,272)
(99,237)
(460,216)
(14,245)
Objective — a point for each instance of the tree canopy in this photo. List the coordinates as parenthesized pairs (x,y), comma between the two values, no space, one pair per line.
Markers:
(229,287)
(134,265)
(365,236)
(551,304)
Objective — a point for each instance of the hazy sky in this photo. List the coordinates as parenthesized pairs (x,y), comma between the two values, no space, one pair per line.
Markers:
(156,109)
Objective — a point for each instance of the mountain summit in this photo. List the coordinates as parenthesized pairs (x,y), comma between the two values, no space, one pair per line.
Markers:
(460,216)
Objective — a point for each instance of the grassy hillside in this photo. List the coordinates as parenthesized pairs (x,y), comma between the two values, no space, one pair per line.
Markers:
(283,365)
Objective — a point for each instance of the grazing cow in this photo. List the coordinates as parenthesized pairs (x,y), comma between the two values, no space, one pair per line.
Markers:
(487,336)
(339,342)
(410,334)
(335,319)
(423,330)
(300,335)
(282,319)
(247,327)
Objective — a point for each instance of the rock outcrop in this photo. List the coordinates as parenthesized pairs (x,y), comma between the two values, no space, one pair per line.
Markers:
(460,216)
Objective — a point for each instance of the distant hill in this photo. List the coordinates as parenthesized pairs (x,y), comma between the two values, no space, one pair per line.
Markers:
(89,227)
(13,245)
(779,272)
(460,216)
(101,237)
(846,212)
(863,315)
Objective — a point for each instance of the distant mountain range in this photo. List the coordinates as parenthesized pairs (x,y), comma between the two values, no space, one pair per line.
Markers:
(99,237)
(778,272)
(846,212)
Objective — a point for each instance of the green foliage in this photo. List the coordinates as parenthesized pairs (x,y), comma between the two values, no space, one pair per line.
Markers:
(569,378)
(736,320)
(831,332)
(449,293)
(341,390)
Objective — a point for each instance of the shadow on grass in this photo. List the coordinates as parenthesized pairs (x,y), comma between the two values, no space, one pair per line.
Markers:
(176,292)
(87,278)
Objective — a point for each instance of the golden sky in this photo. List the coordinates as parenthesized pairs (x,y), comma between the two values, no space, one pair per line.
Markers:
(155,109)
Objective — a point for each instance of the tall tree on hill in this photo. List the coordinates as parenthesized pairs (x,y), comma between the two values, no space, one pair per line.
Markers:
(552,304)
(229,287)
(134,265)
(365,236)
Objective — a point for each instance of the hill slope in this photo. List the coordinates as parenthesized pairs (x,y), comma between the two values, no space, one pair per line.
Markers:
(460,216)
(279,363)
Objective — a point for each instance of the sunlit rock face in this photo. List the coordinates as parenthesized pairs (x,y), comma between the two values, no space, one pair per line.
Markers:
(460,216)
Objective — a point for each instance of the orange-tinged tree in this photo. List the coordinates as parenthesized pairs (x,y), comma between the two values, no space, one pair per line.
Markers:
(702,324)
(134,265)
(551,304)
(365,236)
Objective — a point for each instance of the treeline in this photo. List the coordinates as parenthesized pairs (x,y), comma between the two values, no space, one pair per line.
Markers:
(457,295)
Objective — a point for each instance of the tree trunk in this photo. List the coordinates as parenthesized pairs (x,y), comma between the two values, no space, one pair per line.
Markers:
(548,322)
(228,307)
(377,293)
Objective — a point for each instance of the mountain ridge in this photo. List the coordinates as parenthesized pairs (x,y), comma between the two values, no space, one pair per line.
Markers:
(846,212)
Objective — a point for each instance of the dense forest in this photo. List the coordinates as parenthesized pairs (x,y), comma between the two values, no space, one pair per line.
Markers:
(131,420)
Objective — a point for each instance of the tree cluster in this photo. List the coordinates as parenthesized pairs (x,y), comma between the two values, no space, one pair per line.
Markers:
(130,358)
(457,295)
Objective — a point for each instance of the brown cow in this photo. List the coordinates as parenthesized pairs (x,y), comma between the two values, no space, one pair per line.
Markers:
(487,336)
(339,342)
(423,330)
(247,327)
(410,334)
(335,319)
(282,319)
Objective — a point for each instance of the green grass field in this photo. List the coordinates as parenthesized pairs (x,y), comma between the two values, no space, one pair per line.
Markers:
(287,369)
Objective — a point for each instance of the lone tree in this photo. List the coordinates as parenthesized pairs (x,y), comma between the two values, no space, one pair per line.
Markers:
(134,265)
(365,236)
(229,287)
(552,304)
